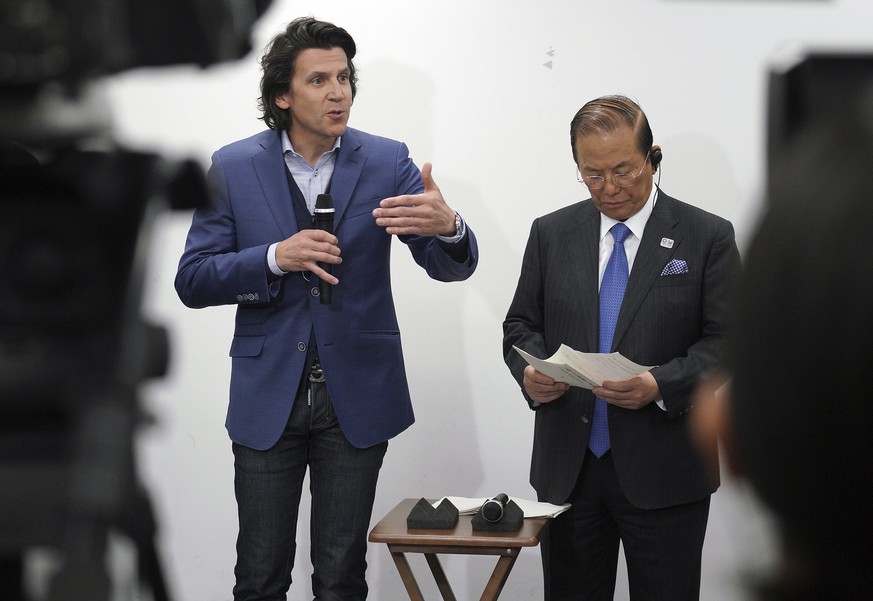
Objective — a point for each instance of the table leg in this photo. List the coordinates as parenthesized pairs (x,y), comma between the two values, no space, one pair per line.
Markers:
(440,576)
(499,576)
(407,576)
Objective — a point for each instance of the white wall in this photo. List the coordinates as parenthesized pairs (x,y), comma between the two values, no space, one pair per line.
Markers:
(485,90)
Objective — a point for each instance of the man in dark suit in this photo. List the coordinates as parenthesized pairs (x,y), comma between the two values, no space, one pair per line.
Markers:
(620,453)
(313,386)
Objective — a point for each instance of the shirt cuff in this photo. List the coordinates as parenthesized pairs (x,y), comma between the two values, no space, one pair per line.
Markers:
(271,260)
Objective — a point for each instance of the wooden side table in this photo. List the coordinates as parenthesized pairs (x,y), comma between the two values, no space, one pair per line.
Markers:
(462,540)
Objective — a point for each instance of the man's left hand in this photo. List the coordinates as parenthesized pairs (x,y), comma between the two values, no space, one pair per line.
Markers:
(635,393)
(424,214)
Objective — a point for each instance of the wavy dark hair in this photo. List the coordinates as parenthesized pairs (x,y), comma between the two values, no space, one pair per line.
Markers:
(280,59)
(608,114)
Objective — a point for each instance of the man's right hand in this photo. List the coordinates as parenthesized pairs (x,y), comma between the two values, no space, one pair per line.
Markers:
(542,388)
(305,249)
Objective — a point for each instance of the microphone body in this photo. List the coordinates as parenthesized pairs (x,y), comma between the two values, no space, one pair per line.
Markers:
(324,213)
(492,509)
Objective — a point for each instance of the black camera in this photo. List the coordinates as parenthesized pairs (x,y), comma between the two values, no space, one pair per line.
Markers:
(77,212)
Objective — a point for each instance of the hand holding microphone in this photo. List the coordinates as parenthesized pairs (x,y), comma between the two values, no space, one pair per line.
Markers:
(324,214)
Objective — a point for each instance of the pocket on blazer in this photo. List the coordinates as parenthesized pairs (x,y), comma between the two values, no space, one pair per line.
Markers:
(247,346)
(379,345)
(362,207)
(679,279)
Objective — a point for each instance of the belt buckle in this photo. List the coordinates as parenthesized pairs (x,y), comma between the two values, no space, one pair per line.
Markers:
(316,374)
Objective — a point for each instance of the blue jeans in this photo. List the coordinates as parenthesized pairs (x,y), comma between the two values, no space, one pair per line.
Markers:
(268,486)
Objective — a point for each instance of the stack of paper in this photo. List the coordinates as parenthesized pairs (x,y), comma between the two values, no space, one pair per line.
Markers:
(531,509)
(585,370)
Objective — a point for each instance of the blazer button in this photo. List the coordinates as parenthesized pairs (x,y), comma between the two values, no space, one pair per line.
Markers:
(315,291)
(301,346)
(584,419)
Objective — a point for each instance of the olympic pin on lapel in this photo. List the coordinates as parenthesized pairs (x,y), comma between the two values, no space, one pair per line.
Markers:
(666,243)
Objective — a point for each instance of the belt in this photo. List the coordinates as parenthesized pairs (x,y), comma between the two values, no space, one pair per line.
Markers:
(316,374)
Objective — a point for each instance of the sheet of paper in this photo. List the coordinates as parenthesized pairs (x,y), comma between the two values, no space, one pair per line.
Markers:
(585,370)
(558,368)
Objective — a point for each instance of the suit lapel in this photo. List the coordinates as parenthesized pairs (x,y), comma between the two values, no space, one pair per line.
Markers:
(583,263)
(650,260)
(349,164)
(269,165)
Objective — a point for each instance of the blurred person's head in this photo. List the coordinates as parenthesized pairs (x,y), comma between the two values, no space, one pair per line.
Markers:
(800,409)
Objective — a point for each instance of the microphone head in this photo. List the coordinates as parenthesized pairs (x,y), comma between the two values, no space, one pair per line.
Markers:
(492,509)
(323,202)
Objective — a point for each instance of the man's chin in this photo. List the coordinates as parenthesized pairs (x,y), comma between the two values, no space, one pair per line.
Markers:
(338,130)
(619,210)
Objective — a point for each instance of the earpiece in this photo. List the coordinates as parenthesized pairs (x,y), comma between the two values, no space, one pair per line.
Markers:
(657,155)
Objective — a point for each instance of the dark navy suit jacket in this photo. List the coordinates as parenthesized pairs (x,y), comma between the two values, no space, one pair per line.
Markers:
(674,321)
(357,334)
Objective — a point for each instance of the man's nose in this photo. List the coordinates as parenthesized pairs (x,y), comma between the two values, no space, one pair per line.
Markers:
(610,187)
(337,91)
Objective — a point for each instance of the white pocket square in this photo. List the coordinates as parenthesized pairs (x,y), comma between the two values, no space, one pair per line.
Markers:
(675,267)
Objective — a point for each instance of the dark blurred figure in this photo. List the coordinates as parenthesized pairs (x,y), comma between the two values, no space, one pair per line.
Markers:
(77,212)
(798,418)
(13,156)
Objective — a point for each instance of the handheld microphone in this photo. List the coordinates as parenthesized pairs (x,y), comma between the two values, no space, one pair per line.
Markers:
(324,213)
(492,509)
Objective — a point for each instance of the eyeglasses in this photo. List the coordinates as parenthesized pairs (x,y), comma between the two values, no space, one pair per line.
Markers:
(621,180)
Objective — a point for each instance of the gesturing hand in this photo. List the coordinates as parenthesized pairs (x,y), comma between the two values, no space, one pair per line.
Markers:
(425,214)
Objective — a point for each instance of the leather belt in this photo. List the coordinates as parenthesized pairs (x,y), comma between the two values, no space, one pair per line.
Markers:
(316,374)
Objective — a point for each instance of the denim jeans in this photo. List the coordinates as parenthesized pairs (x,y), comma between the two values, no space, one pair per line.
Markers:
(268,486)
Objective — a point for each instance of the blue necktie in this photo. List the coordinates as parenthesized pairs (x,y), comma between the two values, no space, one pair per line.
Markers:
(611,294)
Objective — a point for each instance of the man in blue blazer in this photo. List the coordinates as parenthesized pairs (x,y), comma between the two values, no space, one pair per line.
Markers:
(318,386)
(621,453)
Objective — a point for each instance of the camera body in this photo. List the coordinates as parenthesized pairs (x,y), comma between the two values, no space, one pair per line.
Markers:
(78,210)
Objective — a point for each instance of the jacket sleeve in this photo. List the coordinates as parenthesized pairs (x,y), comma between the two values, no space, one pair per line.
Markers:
(523,326)
(213,270)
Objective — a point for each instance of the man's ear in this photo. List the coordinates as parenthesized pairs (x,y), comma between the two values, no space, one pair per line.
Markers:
(282,100)
(656,156)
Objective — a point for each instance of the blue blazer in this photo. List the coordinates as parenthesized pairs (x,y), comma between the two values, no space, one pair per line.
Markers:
(358,337)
